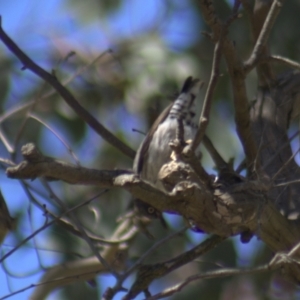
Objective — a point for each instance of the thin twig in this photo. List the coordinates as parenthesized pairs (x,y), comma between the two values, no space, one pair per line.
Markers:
(285,164)
(64,223)
(275,156)
(137,264)
(283,60)
(263,36)
(25,121)
(85,268)
(215,155)
(260,10)
(237,77)
(294,250)
(287,183)
(41,228)
(56,280)
(204,118)
(153,248)
(80,228)
(279,260)
(26,240)
(7,161)
(34,241)
(68,147)
(148,273)
(15,110)
(66,95)
(206,275)
(5,141)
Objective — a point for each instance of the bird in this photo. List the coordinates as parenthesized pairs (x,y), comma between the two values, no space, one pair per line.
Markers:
(155,150)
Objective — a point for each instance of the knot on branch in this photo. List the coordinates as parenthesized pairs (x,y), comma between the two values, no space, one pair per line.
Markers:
(184,189)
(32,166)
(31,153)
(187,151)
(176,171)
(220,210)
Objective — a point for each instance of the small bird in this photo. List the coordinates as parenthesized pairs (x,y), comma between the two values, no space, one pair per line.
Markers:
(155,151)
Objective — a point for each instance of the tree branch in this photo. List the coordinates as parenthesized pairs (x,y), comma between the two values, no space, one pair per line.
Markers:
(148,273)
(280,59)
(110,293)
(280,260)
(86,268)
(237,76)
(37,165)
(219,209)
(66,95)
(225,272)
(264,34)
(204,118)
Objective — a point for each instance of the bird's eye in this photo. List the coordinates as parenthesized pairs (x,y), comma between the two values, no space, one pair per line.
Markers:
(151,210)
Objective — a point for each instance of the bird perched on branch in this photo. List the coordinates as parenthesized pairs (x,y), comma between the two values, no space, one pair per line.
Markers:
(155,150)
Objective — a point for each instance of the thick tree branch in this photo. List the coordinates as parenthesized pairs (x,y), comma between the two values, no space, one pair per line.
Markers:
(220,209)
(36,165)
